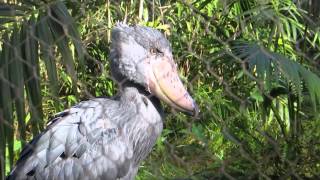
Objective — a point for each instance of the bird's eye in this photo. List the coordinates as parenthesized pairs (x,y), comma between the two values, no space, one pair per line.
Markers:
(155,51)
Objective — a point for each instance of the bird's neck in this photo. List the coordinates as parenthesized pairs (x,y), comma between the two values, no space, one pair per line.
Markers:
(142,90)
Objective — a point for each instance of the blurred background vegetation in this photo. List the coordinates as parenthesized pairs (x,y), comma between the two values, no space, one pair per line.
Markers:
(252,65)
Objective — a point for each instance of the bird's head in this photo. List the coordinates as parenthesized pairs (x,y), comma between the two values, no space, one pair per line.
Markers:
(143,55)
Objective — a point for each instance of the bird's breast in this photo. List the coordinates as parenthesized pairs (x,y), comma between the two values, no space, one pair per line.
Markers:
(143,128)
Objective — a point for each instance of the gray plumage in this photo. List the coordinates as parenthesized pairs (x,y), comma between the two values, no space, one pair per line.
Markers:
(106,138)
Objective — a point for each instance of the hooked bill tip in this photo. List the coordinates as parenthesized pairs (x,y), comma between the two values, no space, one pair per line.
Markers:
(194,112)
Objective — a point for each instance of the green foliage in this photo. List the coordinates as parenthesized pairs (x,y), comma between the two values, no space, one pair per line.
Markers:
(251,66)
(32,28)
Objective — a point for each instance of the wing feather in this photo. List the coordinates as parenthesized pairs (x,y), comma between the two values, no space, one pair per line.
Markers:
(83,141)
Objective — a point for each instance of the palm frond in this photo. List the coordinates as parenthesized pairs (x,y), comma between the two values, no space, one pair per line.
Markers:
(15,70)
(32,74)
(12,9)
(266,65)
(62,16)
(46,43)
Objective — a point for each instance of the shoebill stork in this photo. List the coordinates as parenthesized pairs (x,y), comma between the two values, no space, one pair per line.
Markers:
(108,138)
